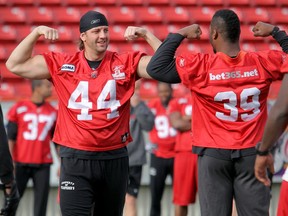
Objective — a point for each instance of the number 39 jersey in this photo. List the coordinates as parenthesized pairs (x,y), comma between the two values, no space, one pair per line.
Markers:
(34,133)
(229,95)
(94,105)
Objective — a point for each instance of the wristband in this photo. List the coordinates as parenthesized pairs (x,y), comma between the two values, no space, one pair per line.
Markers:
(261,153)
(274,31)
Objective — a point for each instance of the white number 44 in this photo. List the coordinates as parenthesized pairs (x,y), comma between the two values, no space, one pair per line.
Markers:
(82,91)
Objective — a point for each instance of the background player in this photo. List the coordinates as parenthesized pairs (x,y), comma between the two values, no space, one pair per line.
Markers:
(31,125)
(8,183)
(162,136)
(185,162)
(141,119)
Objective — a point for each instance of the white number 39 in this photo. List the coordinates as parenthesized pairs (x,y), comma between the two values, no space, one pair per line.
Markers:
(82,91)
(249,101)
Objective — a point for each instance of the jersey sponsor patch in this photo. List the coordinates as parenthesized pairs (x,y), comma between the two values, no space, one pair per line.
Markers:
(118,74)
(68,67)
(239,73)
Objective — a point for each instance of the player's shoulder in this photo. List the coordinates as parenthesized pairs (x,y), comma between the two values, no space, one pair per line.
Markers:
(154,102)
(50,106)
(21,106)
(22,103)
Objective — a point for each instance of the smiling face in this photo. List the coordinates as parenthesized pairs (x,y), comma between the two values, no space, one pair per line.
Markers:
(165,92)
(96,40)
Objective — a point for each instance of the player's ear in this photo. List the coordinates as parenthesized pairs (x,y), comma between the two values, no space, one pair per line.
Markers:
(215,34)
(83,36)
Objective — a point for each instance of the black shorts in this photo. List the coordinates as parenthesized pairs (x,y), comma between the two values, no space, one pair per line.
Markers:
(135,173)
(97,186)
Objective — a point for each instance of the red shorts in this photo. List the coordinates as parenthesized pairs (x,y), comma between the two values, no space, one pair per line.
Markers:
(283,200)
(185,178)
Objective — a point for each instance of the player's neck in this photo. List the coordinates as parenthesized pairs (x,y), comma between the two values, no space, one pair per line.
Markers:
(94,56)
(37,99)
(230,49)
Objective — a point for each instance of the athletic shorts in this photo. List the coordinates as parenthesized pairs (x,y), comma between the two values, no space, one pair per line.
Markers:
(134,181)
(97,186)
(283,200)
(185,178)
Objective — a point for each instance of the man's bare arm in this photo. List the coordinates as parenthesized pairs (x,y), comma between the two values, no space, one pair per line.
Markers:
(22,63)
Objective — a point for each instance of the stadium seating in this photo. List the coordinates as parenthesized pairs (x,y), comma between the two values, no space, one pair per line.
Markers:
(253,15)
(175,15)
(12,15)
(23,31)
(201,14)
(238,3)
(39,15)
(265,3)
(21,2)
(66,15)
(48,3)
(8,33)
(211,2)
(105,3)
(279,15)
(163,30)
(131,2)
(157,2)
(184,2)
(120,15)
(148,15)
(3,53)
(116,33)
(75,2)
(281,3)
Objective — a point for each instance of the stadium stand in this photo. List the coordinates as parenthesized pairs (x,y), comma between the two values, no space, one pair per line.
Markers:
(184,2)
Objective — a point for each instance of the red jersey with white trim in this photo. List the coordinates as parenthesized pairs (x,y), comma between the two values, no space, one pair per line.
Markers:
(229,95)
(163,134)
(35,124)
(94,105)
(182,105)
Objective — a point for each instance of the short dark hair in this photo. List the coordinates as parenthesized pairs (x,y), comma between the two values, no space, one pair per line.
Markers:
(227,23)
(35,83)
(164,83)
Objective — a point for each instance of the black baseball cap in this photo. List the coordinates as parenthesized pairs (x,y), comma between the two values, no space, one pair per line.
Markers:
(92,19)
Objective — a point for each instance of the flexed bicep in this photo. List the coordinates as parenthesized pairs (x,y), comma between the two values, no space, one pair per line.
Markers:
(33,68)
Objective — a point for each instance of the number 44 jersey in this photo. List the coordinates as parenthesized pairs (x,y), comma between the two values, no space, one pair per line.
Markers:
(94,104)
(229,95)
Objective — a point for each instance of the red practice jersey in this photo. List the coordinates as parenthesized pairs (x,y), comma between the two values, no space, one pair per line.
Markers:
(163,134)
(94,105)
(34,131)
(229,95)
(183,105)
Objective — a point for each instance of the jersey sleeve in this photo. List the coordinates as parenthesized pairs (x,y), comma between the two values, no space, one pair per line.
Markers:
(275,63)
(12,114)
(190,65)
(133,59)
(54,61)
